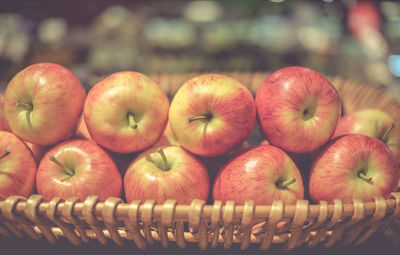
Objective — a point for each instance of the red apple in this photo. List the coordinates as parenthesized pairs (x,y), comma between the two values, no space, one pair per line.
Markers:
(211,114)
(3,121)
(17,166)
(263,174)
(353,166)
(166,173)
(43,102)
(298,109)
(78,168)
(373,123)
(126,112)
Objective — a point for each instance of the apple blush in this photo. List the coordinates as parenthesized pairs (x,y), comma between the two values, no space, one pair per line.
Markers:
(163,173)
(263,174)
(211,114)
(126,112)
(78,168)
(17,166)
(43,103)
(298,109)
(353,167)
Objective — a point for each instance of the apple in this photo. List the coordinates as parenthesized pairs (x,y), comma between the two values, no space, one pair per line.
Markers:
(211,114)
(3,121)
(43,102)
(263,174)
(214,164)
(162,173)
(78,168)
(298,109)
(17,166)
(373,123)
(126,112)
(37,150)
(353,167)
(82,132)
(167,138)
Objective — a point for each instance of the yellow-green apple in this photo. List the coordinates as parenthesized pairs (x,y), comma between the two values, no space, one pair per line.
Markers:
(263,174)
(3,121)
(211,114)
(17,166)
(162,173)
(43,102)
(374,123)
(353,166)
(126,112)
(78,168)
(298,109)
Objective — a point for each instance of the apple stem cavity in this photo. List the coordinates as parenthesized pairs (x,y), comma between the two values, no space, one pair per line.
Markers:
(66,169)
(362,175)
(387,132)
(206,116)
(6,152)
(132,122)
(164,158)
(284,184)
(25,106)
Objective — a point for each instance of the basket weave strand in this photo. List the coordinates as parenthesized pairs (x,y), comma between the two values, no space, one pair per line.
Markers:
(145,222)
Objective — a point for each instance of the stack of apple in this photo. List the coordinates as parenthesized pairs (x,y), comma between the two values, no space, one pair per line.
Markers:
(124,139)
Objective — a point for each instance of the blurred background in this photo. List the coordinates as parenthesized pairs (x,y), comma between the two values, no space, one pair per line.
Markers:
(358,40)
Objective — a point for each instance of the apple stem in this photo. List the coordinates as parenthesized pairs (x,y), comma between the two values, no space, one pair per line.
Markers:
(164,158)
(131,120)
(25,106)
(361,175)
(285,183)
(66,169)
(206,116)
(6,152)
(387,132)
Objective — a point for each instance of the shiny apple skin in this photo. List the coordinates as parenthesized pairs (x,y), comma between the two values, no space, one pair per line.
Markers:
(57,97)
(3,121)
(230,103)
(253,174)
(95,172)
(373,123)
(334,174)
(17,169)
(284,96)
(108,104)
(186,180)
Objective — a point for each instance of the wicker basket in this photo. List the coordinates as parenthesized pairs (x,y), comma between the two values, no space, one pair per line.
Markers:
(210,225)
